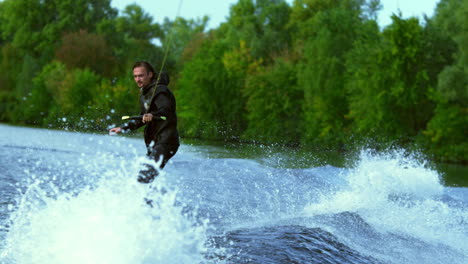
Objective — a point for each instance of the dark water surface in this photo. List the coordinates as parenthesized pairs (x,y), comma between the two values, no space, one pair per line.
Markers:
(73,198)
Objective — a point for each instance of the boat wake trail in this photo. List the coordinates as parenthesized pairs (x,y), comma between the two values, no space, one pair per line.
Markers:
(81,203)
(106,221)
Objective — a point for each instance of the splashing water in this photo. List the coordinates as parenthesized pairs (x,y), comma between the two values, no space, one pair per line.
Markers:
(73,198)
(398,194)
(109,222)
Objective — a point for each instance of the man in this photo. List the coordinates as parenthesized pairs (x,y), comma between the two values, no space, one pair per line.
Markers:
(158,111)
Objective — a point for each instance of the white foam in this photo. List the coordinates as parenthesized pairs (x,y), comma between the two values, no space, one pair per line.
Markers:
(396,193)
(107,223)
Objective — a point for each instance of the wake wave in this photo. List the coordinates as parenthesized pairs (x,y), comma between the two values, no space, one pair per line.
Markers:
(84,205)
(398,195)
(105,222)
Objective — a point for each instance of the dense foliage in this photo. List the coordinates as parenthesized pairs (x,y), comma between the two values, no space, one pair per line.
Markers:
(319,73)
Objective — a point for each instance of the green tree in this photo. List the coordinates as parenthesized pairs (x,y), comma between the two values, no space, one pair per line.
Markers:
(87,50)
(116,99)
(177,35)
(261,24)
(324,31)
(212,88)
(72,93)
(390,83)
(445,135)
(451,18)
(36,26)
(133,35)
(209,103)
(365,82)
(10,67)
(46,95)
(137,24)
(273,104)
(23,86)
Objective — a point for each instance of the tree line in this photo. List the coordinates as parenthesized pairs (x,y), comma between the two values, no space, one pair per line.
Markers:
(318,73)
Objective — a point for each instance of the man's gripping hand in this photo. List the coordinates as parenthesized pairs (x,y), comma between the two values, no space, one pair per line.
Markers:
(115,130)
(147,118)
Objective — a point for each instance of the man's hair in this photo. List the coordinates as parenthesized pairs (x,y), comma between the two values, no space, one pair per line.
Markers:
(149,68)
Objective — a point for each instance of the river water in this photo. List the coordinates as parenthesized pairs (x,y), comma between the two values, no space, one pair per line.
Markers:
(69,197)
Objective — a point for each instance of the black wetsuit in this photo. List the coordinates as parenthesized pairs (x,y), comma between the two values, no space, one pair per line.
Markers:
(161,136)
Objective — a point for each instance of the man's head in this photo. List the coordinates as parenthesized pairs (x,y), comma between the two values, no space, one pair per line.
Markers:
(143,73)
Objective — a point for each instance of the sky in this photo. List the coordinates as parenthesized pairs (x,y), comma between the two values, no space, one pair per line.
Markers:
(218,10)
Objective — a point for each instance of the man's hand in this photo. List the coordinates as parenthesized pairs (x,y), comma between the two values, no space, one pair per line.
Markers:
(147,118)
(115,130)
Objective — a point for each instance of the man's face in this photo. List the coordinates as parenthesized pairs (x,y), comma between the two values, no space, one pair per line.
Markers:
(141,76)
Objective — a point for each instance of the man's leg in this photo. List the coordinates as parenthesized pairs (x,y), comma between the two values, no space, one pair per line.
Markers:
(157,152)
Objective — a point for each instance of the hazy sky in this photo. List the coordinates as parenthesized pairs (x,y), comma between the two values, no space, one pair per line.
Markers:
(218,10)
